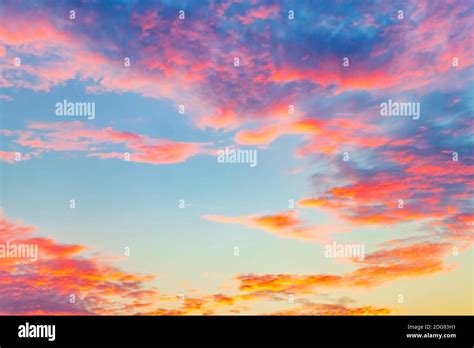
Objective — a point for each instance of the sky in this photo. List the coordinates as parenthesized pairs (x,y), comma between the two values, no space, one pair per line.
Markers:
(344,209)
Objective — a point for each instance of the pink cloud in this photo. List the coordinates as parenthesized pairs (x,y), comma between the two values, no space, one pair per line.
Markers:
(45,285)
(259,13)
(77,136)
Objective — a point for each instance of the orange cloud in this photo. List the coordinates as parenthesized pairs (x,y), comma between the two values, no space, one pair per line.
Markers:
(322,135)
(374,199)
(260,136)
(382,266)
(44,286)
(333,309)
(62,270)
(319,203)
(284,225)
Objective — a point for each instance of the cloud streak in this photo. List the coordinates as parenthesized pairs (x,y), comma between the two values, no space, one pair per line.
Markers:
(77,136)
